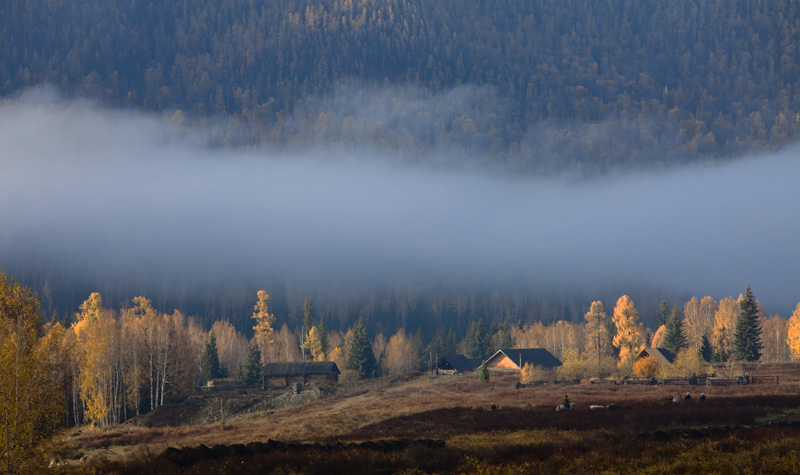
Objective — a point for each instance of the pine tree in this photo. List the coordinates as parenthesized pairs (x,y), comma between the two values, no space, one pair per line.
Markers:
(706,351)
(250,375)
(210,368)
(418,347)
(675,339)
(662,314)
(506,339)
(308,322)
(361,359)
(477,340)
(483,372)
(747,339)
(598,339)
(322,330)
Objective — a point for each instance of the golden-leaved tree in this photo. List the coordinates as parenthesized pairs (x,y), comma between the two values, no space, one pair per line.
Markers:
(724,328)
(100,378)
(29,394)
(793,334)
(397,356)
(265,323)
(629,333)
(314,344)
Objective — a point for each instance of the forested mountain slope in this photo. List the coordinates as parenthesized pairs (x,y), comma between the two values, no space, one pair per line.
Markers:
(534,86)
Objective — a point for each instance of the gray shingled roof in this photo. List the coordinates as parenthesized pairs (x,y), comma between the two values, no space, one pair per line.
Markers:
(662,355)
(535,356)
(275,370)
(459,363)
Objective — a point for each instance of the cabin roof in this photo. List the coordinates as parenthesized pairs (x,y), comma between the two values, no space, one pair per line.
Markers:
(521,356)
(459,363)
(272,370)
(662,355)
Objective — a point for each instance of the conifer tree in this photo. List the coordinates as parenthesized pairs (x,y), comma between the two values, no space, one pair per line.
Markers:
(483,372)
(361,360)
(419,348)
(706,351)
(747,339)
(598,338)
(477,341)
(308,322)
(322,332)
(675,338)
(210,368)
(662,315)
(250,375)
(506,339)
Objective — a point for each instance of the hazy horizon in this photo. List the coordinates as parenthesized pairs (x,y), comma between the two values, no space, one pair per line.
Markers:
(120,193)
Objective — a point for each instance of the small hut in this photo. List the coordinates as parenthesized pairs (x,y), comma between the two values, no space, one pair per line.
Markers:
(663,356)
(513,359)
(281,375)
(453,364)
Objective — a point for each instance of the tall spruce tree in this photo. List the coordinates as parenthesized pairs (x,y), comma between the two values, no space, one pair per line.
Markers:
(662,315)
(506,339)
(706,351)
(675,338)
(477,340)
(361,360)
(747,344)
(250,375)
(308,322)
(210,367)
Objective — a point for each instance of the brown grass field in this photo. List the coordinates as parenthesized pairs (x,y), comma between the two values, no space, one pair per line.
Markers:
(444,424)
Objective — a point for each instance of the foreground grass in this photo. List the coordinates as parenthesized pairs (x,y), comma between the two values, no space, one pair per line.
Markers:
(645,433)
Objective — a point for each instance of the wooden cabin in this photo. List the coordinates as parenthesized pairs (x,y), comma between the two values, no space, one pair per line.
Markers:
(514,359)
(282,375)
(663,356)
(455,364)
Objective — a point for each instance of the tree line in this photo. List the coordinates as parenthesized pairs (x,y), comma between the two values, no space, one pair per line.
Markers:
(582,85)
(109,365)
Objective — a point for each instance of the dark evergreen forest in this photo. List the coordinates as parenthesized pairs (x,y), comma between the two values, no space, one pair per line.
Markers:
(526,86)
(551,85)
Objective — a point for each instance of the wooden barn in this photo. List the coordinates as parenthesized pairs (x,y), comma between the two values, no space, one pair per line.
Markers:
(663,356)
(452,364)
(281,375)
(515,358)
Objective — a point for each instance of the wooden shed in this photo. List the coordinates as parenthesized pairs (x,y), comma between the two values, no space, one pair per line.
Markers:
(513,359)
(663,356)
(281,375)
(452,364)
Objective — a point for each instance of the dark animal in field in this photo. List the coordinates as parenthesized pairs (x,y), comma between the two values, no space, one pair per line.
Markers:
(703,397)
(688,396)
(493,407)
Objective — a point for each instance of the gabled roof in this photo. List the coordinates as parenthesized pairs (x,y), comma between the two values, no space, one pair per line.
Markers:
(273,370)
(535,356)
(459,363)
(662,355)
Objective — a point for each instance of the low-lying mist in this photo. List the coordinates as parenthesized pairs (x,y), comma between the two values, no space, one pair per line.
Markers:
(114,195)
